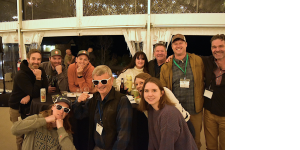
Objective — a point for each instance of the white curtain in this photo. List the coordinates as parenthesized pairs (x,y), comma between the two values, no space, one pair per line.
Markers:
(33,38)
(9,38)
(160,35)
(133,36)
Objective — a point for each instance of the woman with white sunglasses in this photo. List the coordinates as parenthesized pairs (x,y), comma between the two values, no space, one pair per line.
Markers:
(50,129)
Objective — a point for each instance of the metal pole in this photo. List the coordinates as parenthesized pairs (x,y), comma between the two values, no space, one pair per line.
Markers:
(31,10)
(3,72)
(197,6)
(134,6)
(22,51)
(79,12)
(149,53)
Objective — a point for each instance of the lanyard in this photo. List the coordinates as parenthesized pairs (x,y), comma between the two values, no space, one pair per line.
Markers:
(100,113)
(187,58)
(214,79)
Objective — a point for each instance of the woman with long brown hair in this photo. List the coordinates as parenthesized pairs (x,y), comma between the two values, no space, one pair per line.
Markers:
(139,83)
(167,127)
(138,64)
(50,129)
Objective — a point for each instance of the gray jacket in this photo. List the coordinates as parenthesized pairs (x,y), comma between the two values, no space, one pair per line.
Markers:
(62,79)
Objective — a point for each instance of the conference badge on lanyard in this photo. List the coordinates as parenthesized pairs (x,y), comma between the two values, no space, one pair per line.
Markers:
(185,83)
(99,128)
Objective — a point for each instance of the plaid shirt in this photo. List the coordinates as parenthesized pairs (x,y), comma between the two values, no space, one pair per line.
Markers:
(184,95)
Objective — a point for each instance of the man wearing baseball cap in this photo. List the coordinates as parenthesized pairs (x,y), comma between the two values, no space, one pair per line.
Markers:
(56,72)
(80,73)
(184,75)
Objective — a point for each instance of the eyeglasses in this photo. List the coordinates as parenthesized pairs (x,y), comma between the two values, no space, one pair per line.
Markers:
(104,81)
(59,107)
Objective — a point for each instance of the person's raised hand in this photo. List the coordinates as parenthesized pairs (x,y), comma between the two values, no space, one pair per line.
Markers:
(50,119)
(83,97)
(58,69)
(25,100)
(79,70)
(37,73)
(51,89)
(169,58)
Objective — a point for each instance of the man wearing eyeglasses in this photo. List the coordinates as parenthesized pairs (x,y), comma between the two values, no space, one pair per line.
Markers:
(109,112)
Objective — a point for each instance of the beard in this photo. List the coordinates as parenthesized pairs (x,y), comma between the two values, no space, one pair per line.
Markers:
(55,64)
(34,66)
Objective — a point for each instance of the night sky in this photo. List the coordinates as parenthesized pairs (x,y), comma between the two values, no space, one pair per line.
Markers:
(199,45)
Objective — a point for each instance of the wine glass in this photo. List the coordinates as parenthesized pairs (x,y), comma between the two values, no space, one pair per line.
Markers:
(78,92)
(86,90)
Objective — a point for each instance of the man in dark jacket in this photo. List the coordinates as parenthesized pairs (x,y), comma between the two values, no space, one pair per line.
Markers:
(27,84)
(160,53)
(214,95)
(109,112)
(57,73)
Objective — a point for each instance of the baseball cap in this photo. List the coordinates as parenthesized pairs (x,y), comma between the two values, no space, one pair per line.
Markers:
(55,52)
(178,36)
(64,99)
(83,52)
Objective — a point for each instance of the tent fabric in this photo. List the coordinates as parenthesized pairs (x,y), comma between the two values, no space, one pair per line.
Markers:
(9,38)
(133,36)
(161,35)
(34,38)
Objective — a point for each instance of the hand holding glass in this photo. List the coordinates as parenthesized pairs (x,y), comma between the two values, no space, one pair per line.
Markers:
(86,90)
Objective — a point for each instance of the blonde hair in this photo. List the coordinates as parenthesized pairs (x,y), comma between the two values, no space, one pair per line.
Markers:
(102,69)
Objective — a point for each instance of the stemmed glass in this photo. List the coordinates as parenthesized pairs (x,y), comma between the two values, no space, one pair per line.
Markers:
(78,92)
(86,90)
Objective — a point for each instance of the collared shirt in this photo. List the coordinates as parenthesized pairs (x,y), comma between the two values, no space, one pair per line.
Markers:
(157,69)
(218,72)
(184,95)
(99,140)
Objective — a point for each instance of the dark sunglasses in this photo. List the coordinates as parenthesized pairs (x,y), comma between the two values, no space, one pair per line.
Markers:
(104,81)
(59,107)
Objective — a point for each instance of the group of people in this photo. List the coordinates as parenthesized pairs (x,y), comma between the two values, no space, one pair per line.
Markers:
(177,95)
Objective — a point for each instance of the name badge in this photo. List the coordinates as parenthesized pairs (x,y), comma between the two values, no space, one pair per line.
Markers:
(184,83)
(99,128)
(208,94)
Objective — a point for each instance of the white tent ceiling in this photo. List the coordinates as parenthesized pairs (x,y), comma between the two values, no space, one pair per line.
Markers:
(133,27)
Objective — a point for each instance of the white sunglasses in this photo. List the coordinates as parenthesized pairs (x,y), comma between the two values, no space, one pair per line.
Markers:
(59,107)
(104,81)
